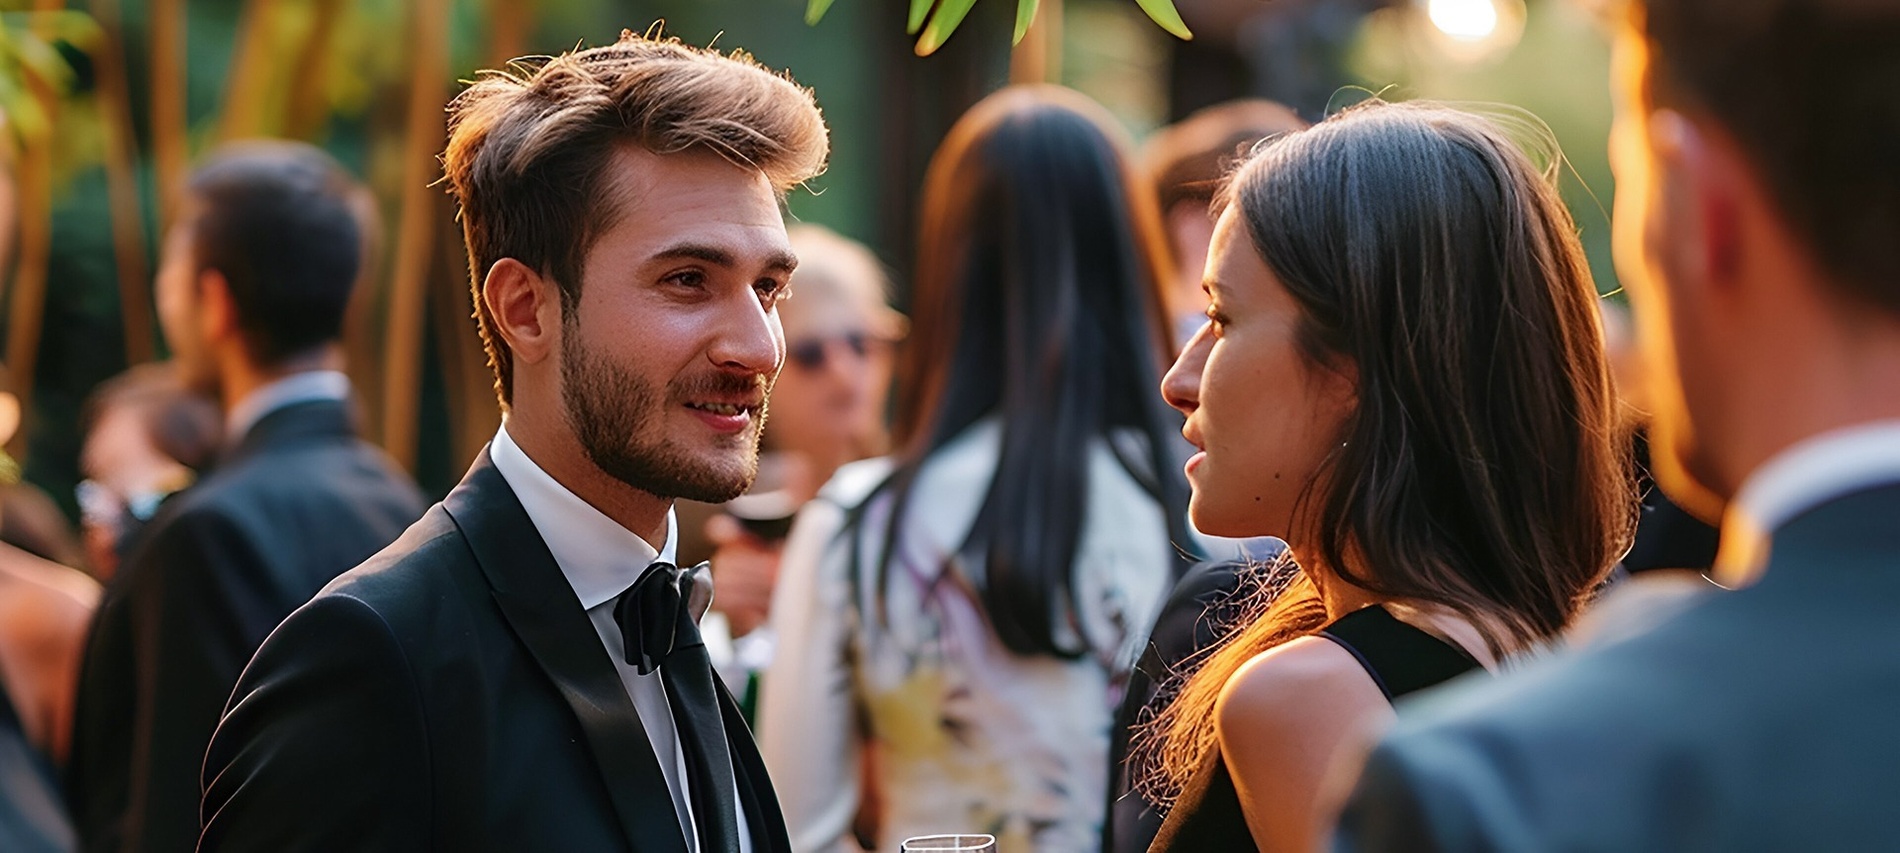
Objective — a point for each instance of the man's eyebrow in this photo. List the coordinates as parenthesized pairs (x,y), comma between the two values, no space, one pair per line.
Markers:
(778,261)
(698,252)
(783,262)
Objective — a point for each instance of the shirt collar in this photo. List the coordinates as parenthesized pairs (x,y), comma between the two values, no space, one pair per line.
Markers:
(599,557)
(305,387)
(1800,478)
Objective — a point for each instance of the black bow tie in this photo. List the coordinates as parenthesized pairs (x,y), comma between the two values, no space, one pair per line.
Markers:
(658,617)
(659,614)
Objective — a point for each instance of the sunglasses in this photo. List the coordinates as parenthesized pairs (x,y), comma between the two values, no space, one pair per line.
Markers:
(813,353)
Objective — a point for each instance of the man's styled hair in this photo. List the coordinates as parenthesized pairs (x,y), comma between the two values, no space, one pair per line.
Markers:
(530,148)
(1806,89)
(280,221)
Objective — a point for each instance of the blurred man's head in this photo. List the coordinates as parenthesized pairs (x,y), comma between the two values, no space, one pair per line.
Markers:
(1757,202)
(829,402)
(260,264)
(621,206)
(1185,162)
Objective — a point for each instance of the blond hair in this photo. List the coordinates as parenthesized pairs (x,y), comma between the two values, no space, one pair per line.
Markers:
(530,147)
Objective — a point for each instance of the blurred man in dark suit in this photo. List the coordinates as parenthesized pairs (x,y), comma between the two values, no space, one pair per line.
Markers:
(252,287)
(1758,199)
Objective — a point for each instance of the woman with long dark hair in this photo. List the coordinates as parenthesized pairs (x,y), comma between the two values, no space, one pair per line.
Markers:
(1403,376)
(966,609)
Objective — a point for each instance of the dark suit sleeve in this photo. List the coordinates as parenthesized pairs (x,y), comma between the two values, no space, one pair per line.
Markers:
(324,746)
(196,613)
(1426,795)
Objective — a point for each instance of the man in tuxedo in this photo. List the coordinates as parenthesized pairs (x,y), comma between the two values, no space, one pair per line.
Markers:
(252,290)
(1757,201)
(522,669)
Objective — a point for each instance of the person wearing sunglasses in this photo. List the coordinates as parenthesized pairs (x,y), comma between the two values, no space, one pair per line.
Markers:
(827,410)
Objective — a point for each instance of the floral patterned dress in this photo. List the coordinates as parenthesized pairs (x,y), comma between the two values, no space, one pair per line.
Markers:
(969,737)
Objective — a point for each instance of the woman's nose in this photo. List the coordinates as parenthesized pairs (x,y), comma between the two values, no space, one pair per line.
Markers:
(1181,387)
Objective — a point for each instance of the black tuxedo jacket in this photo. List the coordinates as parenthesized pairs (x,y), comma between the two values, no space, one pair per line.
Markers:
(1758,719)
(450,694)
(296,503)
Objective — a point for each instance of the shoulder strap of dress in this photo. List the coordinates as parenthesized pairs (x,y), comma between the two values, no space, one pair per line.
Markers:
(1400,658)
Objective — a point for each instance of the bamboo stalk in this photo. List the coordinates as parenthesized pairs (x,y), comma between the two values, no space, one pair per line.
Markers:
(307,110)
(469,384)
(1039,58)
(128,219)
(26,309)
(170,145)
(511,25)
(415,233)
(247,80)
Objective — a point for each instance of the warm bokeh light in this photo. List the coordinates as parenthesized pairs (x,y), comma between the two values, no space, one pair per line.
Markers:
(1465,20)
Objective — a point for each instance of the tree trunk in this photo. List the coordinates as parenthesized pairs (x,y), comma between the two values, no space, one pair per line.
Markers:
(128,217)
(247,79)
(308,111)
(170,127)
(415,233)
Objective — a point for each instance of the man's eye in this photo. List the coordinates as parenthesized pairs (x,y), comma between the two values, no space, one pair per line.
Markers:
(771,290)
(689,279)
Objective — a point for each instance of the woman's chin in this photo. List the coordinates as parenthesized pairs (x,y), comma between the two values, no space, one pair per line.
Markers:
(1212,519)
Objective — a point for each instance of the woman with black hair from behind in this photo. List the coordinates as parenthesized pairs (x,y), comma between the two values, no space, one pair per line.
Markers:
(968,608)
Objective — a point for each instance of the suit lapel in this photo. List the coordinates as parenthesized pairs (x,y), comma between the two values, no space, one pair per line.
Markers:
(764,822)
(540,606)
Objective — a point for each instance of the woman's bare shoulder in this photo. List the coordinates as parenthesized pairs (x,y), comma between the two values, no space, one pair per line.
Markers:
(1305,681)
(41,597)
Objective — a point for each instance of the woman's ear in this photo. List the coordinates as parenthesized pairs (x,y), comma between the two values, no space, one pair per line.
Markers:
(525,307)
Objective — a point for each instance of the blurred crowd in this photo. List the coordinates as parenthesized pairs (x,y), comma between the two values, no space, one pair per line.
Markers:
(1266,485)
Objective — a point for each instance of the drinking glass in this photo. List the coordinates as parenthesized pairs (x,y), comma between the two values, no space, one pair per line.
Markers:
(950,844)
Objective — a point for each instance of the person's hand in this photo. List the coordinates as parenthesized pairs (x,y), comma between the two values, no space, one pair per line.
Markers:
(744,571)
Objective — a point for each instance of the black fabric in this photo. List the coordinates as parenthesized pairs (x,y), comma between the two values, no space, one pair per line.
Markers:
(1667,536)
(1395,654)
(1202,602)
(1400,658)
(297,503)
(658,627)
(451,694)
(32,816)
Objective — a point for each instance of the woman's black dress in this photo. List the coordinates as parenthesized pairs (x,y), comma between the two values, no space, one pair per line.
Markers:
(1400,658)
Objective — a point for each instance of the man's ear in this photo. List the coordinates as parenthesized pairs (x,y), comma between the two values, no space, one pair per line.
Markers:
(1701,182)
(525,307)
(217,312)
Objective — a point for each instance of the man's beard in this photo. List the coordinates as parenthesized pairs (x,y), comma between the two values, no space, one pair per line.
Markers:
(611,410)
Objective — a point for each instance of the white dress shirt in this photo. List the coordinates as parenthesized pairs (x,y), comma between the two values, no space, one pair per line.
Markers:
(305,387)
(600,560)
(1798,479)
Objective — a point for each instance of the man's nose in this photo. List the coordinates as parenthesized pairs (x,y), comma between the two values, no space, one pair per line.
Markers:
(750,338)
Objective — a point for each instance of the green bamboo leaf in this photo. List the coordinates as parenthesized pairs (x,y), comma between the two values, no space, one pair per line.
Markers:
(944,22)
(815,10)
(918,9)
(1025,15)
(1163,12)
